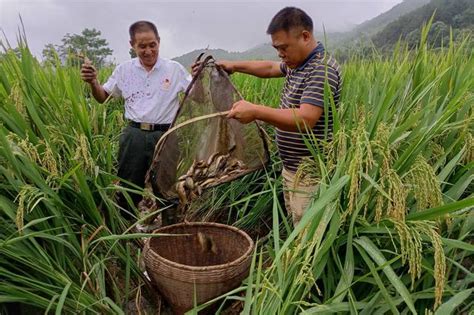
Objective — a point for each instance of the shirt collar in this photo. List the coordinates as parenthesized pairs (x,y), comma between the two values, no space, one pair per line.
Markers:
(317,52)
(136,62)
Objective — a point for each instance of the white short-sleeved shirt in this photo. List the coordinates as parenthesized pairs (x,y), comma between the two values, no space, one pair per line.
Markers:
(150,97)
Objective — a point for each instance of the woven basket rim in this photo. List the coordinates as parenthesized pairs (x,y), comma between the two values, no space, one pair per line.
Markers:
(235,262)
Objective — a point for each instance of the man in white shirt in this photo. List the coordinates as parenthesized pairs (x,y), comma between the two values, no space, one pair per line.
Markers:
(150,86)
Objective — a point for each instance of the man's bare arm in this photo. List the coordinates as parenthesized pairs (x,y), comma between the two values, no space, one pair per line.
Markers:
(258,68)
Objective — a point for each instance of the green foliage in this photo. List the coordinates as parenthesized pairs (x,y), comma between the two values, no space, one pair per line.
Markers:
(57,188)
(88,43)
(49,54)
(456,14)
(389,230)
(383,32)
(371,27)
(379,22)
(393,237)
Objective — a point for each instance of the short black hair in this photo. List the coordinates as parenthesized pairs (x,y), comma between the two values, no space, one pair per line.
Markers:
(290,18)
(142,26)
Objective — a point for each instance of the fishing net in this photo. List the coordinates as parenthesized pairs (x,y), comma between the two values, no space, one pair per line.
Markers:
(203,148)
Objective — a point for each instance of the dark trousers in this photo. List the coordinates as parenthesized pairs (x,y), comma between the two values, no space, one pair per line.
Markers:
(136,148)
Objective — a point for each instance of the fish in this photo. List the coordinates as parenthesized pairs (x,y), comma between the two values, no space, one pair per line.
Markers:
(211,158)
(222,161)
(208,182)
(189,183)
(206,243)
(199,190)
(183,199)
(200,164)
(190,170)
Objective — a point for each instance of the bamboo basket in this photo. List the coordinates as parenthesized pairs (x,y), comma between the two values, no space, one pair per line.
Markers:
(187,273)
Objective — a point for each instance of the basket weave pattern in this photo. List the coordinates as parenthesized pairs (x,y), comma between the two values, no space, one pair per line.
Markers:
(184,271)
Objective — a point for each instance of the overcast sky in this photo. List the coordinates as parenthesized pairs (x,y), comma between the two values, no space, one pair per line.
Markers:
(183,25)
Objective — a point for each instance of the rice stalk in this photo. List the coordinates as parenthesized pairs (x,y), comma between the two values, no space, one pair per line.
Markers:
(411,248)
(309,172)
(469,144)
(16,96)
(28,198)
(337,149)
(82,154)
(411,237)
(424,183)
(440,267)
(49,160)
(362,159)
(24,147)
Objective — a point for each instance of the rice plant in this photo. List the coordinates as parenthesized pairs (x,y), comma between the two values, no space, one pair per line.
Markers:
(60,224)
(389,229)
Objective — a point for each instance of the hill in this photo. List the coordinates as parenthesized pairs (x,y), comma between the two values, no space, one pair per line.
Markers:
(404,19)
(458,15)
(379,22)
(260,52)
(371,27)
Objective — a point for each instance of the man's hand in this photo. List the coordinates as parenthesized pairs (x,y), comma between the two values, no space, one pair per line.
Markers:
(88,72)
(225,65)
(195,67)
(89,75)
(245,112)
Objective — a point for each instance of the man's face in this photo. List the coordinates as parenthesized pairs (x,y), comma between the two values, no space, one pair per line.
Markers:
(147,47)
(291,46)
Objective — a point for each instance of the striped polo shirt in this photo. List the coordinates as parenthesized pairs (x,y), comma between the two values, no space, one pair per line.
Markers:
(305,84)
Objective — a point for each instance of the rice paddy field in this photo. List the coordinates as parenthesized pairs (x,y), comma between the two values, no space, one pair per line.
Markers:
(390,230)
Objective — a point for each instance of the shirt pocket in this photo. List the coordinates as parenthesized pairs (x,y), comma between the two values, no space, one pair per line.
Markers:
(166,83)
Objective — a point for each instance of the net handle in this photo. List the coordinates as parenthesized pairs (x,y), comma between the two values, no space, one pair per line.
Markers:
(187,122)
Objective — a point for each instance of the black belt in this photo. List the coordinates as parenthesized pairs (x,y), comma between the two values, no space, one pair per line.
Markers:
(149,127)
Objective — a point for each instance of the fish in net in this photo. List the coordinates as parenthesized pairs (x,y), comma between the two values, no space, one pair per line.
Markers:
(202,148)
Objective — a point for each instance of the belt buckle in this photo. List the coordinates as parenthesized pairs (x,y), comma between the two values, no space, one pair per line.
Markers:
(146,126)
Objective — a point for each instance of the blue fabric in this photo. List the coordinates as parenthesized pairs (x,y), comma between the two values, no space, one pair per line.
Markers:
(318,51)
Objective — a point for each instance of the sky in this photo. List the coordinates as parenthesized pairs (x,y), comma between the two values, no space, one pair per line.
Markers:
(183,25)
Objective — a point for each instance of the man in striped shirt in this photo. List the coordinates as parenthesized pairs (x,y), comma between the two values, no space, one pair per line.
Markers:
(303,110)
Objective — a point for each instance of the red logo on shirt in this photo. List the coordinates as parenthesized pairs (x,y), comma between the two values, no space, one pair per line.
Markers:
(166,84)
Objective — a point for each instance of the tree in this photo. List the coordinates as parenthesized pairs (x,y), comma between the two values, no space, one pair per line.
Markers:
(50,53)
(88,43)
(438,34)
(413,38)
(464,19)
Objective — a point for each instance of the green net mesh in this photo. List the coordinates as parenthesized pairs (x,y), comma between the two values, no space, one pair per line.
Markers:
(203,148)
